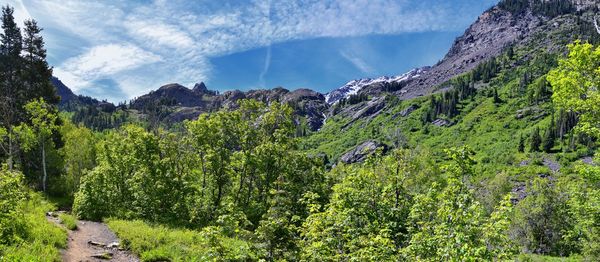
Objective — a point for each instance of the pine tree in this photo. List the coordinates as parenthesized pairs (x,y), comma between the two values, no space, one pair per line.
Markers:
(496,96)
(521,144)
(549,137)
(37,72)
(10,85)
(535,140)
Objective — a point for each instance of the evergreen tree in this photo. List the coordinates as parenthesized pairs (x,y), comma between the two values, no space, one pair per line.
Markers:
(37,73)
(521,144)
(10,85)
(535,140)
(549,137)
(496,96)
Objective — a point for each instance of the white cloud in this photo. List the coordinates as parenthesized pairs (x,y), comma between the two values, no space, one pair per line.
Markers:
(21,13)
(172,41)
(265,70)
(102,62)
(158,34)
(110,59)
(92,21)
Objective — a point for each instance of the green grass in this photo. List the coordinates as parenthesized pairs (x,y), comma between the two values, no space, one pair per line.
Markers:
(540,258)
(69,221)
(160,243)
(40,239)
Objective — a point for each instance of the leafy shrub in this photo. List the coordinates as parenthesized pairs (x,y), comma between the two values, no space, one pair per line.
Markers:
(12,198)
(26,235)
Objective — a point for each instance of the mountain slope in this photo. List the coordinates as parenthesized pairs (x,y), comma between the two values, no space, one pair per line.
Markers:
(501,55)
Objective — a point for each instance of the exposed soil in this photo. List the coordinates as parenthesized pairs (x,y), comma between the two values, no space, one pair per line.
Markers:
(93,239)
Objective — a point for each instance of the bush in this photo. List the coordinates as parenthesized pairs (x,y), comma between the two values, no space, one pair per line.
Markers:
(90,202)
(25,234)
(12,198)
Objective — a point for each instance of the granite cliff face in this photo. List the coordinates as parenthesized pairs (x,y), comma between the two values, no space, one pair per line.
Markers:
(503,26)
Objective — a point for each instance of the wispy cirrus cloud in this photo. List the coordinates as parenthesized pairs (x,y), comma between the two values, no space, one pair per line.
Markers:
(159,35)
(358,62)
(104,61)
(141,45)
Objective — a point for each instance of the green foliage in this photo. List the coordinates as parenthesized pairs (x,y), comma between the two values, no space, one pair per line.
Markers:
(24,77)
(158,243)
(230,157)
(541,218)
(132,179)
(99,115)
(79,154)
(237,184)
(448,223)
(549,137)
(521,144)
(584,207)
(574,84)
(353,99)
(25,234)
(535,140)
(514,6)
(42,123)
(538,91)
(12,197)
(69,221)
(366,216)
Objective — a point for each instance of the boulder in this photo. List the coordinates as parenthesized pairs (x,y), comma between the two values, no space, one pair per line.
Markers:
(372,109)
(103,255)
(361,152)
(405,112)
(441,122)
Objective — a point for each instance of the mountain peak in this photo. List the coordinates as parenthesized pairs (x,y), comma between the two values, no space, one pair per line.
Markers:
(200,87)
(355,86)
(65,93)
(172,86)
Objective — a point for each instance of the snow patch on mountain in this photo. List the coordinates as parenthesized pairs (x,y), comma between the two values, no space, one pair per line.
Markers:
(354,86)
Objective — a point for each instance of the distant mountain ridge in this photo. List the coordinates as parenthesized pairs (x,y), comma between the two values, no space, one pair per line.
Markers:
(510,23)
(69,100)
(354,86)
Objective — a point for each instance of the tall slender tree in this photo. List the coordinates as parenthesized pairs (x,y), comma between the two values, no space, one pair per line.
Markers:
(37,73)
(43,118)
(10,69)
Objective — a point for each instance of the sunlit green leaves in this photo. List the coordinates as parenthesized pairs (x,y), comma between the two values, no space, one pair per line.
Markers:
(575,85)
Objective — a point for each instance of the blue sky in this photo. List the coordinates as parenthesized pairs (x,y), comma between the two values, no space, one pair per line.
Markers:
(121,49)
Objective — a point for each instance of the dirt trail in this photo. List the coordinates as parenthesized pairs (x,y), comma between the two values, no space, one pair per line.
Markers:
(93,239)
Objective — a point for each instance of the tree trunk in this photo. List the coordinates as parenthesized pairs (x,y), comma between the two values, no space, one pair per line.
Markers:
(45,178)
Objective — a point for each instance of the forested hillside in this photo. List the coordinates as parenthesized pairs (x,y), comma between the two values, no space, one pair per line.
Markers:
(496,161)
